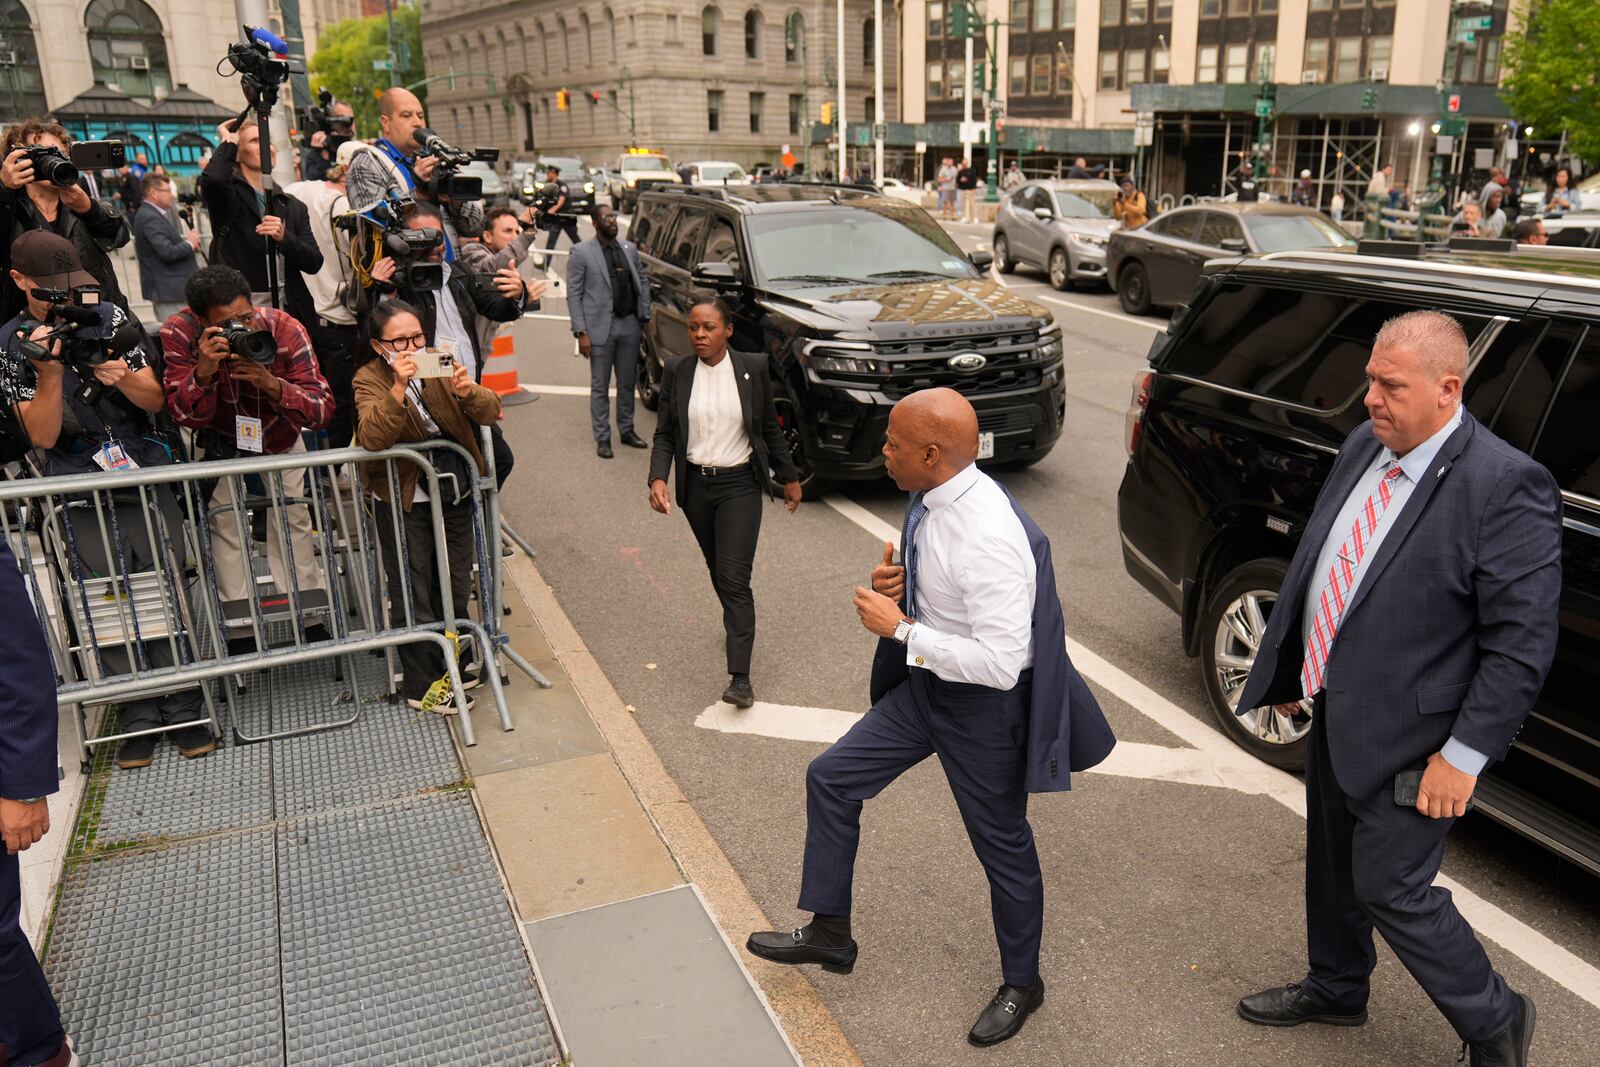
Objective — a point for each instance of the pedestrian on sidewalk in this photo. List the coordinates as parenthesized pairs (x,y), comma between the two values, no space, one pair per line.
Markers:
(971,666)
(1130,207)
(30,1022)
(945,177)
(166,253)
(967,186)
(1428,580)
(608,301)
(717,427)
(395,407)
(1013,179)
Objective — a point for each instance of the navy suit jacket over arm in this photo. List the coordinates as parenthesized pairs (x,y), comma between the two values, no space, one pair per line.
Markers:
(27,693)
(1453,627)
(1067,731)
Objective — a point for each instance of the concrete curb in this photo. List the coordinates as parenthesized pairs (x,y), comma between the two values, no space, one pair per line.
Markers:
(805,1018)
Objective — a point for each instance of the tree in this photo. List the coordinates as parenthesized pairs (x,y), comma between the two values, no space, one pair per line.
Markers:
(347,50)
(1550,82)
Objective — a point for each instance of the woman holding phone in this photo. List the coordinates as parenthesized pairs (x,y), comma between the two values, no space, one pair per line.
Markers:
(718,427)
(396,405)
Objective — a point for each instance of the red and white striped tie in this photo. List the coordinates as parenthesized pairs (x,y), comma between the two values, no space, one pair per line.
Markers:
(1341,579)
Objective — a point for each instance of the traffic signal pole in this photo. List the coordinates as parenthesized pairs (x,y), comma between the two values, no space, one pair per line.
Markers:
(992,192)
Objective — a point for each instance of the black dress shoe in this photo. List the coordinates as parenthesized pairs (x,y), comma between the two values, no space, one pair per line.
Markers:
(1006,1013)
(1509,1048)
(796,947)
(739,693)
(603,449)
(1289,1006)
(633,440)
(137,752)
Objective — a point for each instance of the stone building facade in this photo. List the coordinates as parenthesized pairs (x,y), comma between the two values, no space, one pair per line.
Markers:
(725,79)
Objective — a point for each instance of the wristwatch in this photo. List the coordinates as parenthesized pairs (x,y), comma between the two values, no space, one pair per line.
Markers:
(580,333)
(902,631)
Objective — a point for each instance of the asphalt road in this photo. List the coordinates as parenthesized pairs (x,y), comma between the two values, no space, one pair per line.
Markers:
(1165,900)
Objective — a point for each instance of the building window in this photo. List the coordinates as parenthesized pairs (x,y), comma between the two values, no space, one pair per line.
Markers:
(1316,55)
(1238,7)
(1160,65)
(752,34)
(1238,63)
(1069,14)
(1265,54)
(869,44)
(24,81)
(797,108)
(708,31)
(935,81)
(1138,12)
(794,36)
(672,29)
(1019,15)
(127,49)
(1163,10)
(713,110)
(633,30)
(1108,69)
(1019,75)
(957,87)
(1210,9)
(1133,68)
(1044,14)
(758,104)
(1266,7)
(1041,74)
(936,18)
(1347,59)
(1206,68)
(1491,60)
(1321,5)
(1064,79)
(1378,52)
(1110,13)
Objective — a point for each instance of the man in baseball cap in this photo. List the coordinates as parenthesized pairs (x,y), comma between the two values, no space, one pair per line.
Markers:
(49,260)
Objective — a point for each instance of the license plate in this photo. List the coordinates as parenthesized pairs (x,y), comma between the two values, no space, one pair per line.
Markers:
(986,446)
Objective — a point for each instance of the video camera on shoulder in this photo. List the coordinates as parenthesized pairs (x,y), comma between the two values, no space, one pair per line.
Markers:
(52,165)
(78,336)
(446,184)
(337,129)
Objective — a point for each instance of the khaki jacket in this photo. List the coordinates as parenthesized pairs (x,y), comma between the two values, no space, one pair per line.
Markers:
(382,423)
(1131,210)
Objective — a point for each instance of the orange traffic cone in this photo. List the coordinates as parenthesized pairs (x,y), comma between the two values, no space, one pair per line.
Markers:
(500,372)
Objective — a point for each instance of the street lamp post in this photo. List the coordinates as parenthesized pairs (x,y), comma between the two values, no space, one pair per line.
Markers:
(991,193)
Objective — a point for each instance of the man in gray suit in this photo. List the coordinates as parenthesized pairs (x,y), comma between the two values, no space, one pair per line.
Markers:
(166,256)
(608,299)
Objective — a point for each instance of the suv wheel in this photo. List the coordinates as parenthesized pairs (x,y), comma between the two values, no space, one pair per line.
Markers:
(1133,289)
(1230,633)
(1060,269)
(1002,254)
(649,378)
(811,487)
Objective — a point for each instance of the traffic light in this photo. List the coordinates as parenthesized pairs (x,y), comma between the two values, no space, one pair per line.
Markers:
(594,98)
(1369,99)
(827,113)
(562,99)
(960,19)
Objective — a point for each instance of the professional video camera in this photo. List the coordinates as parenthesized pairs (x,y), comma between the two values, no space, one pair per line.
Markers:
(337,129)
(256,59)
(446,184)
(77,335)
(383,229)
(52,165)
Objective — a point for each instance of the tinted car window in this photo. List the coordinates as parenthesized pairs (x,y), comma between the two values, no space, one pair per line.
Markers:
(1300,346)
(1568,444)
(1023,198)
(1180,224)
(647,223)
(1525,384)
(1083,205)
(683,249)
(872,240)
(1279,233)
(721,244)
(1218,228)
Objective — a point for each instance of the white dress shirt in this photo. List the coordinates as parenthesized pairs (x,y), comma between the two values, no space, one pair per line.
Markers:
(448,327)
(974,585)
(717,436)
(1415,465)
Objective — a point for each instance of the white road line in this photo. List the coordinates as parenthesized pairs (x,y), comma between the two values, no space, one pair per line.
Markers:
(1238,770)
(560,390)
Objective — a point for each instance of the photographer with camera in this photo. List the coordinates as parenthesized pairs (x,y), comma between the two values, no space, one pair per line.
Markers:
(332,124)
(166,252)
(399,162)
(243,225)
(505,242)
(245,379)
(450,301)
(75,371)
(41,189)
(554,216)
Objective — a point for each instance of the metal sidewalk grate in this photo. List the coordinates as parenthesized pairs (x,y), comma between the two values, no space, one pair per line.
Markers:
(399,908)
(228,790)
(392,751)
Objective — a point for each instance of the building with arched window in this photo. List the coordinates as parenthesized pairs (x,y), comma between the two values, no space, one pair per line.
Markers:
(707,79)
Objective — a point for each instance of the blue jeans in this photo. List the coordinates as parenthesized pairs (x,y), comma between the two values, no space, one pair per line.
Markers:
(620,354)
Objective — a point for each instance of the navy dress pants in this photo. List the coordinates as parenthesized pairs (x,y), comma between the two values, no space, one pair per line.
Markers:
(30,1025)
(980,737)
(1371,864)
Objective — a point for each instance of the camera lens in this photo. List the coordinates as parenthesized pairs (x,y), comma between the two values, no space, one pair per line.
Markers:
(254,345)
(57,171)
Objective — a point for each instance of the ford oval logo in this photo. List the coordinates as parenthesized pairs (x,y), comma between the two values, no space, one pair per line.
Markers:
(968,362)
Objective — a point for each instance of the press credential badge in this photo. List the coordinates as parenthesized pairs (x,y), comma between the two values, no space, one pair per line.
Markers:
(248,433)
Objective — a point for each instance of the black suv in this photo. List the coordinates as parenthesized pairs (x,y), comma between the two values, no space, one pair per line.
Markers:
(858,300)
(1235,424)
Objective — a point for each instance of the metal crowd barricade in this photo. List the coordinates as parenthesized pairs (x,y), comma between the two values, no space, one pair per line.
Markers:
(161,581)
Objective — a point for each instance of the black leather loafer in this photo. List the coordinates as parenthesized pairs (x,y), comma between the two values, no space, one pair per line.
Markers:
(1289,1006)
(1005,1014)
(796,947)
(603,449)
(739,693)
(633,440)
(1509,1048)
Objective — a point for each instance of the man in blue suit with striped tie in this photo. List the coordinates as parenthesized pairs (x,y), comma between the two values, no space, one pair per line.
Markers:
(30,1025)
(972,667)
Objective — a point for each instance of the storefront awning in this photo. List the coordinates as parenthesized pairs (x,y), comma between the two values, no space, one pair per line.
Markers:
(1345,98)
(1015,137)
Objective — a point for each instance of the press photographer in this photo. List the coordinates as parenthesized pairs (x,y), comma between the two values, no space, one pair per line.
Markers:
(41,188)
(75,372)
(505,241)
(328,125)
(401,163)
(245,379)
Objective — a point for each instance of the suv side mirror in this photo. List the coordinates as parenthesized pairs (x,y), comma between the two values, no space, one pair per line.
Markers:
(715,275)
(1043,213)
(1234,244)
(982,260)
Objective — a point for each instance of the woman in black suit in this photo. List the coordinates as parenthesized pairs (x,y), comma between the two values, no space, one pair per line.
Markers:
(719,428)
